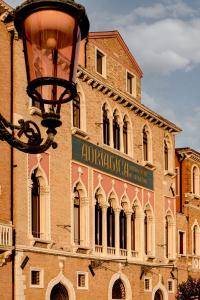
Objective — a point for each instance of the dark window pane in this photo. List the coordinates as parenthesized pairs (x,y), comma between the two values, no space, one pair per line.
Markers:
(99,62)
(76,112)
(35,195)
(145,145)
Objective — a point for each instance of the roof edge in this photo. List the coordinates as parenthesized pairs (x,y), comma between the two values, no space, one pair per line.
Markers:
(116,34)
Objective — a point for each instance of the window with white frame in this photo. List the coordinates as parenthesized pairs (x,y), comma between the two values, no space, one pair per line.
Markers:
(147,144)
(82,280)
(100,60)
(195,180)
(36,278)
(170,285)
(182,243)
(106,125)
(147,284)
(39,206)
(168,155)
(130,83)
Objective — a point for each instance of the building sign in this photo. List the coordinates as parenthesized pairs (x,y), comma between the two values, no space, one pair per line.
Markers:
(108,162)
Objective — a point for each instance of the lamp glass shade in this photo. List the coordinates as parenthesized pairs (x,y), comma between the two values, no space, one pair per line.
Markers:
(51,41)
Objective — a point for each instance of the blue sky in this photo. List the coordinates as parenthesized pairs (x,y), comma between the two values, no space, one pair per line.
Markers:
(164,37)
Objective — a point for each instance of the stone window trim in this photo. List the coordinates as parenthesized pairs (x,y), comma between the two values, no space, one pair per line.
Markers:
(147,284)
(44,206)
(103,62)
(181,243)
(195,181)
(41,277)
(80,127)
(170,237)
(131,83)
(147,153)
(195,239)
(84,217)
(170,285)
(168,147)
(85,274)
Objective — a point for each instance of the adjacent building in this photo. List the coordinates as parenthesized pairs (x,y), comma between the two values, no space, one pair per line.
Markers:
(188,213)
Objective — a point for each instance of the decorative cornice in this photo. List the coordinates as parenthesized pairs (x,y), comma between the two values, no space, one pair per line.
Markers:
(190,153)
(5,10)
(128,102)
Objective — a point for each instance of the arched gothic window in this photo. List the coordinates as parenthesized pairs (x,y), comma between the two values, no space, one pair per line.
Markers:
(106,126)
(76,112)
(148,232)
(145,145)
(145,234)
(98,223)
(59,292)
(35,204)
(110,227)
(195,229)
(116,131)
(123,230)
(125,135)
(133,237)
(118,290)
(76,216)
(166,155)
(166,237)
(195,180)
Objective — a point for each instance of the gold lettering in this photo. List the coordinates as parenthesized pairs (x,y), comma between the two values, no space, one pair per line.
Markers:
(84,152)
(125,169)
(118,165)
(106,161)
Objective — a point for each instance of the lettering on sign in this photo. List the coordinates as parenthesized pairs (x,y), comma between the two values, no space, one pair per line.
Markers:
(108,162)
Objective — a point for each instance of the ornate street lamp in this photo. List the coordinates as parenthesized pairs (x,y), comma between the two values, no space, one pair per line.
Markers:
(51,31)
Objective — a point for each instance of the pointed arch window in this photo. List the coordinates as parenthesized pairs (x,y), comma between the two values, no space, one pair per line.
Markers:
(35,205)
(110,227)
(145,144)
(195,180)
(195,228)
(133,237)
(166,155)
(76,216)
(76,112)
(98,223)
(145,234)
(116,131)
(118,290)
(106,126)
(166,237)
(123,230)
(125,135)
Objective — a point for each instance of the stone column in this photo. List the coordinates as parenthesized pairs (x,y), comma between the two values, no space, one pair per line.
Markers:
(121,137)
(117,212)
(84,221)
(128,232)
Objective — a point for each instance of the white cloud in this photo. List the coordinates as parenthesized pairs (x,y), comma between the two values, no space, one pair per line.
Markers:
(166,43)
(163,10)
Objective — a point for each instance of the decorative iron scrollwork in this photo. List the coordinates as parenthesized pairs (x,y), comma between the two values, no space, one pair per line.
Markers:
(28,130)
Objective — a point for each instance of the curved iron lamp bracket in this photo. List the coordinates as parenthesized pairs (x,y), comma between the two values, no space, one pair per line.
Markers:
(31,132)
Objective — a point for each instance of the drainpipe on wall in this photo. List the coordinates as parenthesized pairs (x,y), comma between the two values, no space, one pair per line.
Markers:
(11,163)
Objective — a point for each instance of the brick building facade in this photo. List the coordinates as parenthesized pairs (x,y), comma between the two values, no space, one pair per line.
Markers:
(95,218)
(188,216)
